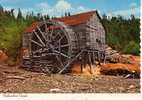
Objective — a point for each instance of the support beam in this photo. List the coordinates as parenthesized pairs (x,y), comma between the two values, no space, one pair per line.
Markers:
(70,62)
(41,32)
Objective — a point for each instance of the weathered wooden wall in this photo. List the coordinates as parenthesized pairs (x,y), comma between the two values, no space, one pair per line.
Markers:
(81,35)
(91,34)
(95,33)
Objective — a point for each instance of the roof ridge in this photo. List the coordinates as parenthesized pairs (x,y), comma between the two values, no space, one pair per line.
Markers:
(68,20)
(75,19)
(81,13)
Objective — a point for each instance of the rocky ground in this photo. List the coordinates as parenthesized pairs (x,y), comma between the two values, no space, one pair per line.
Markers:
(17,80)
(14,79)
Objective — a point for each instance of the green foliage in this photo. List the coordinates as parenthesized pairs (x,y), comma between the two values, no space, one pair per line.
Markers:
(132,48)
(11,29)
(19,16)
(121,31)
(10,35)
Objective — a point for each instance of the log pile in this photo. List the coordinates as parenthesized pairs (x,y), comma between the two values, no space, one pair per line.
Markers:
(114,56)
(120,64)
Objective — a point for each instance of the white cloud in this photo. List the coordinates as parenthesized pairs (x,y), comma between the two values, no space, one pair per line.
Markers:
(59,8)
(133,9)
(133,5)
(63,5)
(126,13)
(81,8)
(43,5)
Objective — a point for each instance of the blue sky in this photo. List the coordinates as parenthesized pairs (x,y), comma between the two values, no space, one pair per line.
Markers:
(58,7)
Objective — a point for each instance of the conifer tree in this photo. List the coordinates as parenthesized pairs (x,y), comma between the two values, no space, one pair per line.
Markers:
(19,16)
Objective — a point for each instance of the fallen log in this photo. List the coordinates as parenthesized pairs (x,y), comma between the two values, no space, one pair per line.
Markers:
(121,69)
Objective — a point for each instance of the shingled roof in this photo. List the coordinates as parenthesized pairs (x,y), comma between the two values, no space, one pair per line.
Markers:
(68,20)
(76,19)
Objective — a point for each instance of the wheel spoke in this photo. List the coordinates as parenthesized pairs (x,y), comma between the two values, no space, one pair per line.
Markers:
(46,31)
(46,28)
(59,60)
(36,43)
(60,48)
(38,37)
(58,33)
(48,36)
(63,46)
(64,55)
(40,50)
(51,33)
(41,33)
(60,39)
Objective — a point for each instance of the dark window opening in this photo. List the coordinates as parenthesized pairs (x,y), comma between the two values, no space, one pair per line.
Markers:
(98,41)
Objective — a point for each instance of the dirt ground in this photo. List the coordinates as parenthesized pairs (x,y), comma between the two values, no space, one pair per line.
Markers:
(17,80)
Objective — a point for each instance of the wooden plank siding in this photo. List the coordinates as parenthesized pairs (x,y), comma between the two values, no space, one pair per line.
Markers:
(96,31)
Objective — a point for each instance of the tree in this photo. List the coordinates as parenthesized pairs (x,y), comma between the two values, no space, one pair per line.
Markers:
(19,16)
(104,17)
(133,18)
(1,8)
(46,17)
(12,12)
(132,48)
(120,31)
(39,16)
(69,14)
(66,14)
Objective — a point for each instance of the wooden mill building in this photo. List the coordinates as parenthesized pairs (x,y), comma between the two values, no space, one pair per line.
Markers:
(88,28)
(64,40)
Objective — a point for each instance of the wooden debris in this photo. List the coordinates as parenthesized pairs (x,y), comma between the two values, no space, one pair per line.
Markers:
(15,77)
(114,56)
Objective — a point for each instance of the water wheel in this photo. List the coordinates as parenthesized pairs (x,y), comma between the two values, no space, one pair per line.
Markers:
(52,45)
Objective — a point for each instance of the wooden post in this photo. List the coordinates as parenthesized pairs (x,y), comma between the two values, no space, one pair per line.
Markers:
(90,63)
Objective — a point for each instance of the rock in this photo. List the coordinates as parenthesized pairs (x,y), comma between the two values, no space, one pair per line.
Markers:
(131,86)
(121,89)
(55,90)
(3,57)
